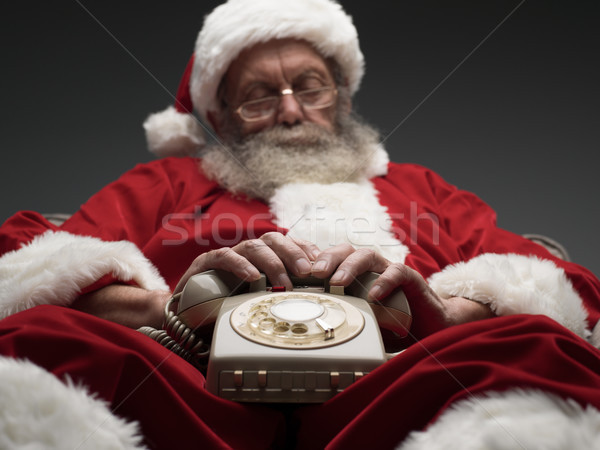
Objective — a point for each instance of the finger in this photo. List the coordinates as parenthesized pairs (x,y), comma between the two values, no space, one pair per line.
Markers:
(361,261)
(394,276)
(224,258)
(294,253)
(328,260)
(310,249)
(267,260)
(429,312)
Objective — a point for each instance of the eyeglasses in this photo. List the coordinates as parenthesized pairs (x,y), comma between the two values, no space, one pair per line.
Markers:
(263,108)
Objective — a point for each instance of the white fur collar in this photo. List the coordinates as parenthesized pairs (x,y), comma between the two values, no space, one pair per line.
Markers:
(378,165)
(337,213)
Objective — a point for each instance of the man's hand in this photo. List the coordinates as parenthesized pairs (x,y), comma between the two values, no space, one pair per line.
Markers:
(131,306)
(429,311)
(277,255)
(273,254)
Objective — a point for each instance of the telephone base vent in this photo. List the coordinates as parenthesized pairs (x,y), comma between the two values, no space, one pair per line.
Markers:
(276,386)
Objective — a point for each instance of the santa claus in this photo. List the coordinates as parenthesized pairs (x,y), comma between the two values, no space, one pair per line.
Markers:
(296,184)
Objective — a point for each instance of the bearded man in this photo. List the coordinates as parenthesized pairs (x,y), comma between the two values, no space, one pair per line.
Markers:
(297,185)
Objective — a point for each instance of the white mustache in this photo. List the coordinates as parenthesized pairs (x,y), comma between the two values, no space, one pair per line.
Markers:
(305,133)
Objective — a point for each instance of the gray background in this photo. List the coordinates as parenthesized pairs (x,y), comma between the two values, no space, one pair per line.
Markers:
(512,116)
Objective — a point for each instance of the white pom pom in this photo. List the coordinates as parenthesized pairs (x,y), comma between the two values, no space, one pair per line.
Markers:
(170,133)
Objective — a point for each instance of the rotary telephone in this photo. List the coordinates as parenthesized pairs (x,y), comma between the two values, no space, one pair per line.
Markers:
(273,345)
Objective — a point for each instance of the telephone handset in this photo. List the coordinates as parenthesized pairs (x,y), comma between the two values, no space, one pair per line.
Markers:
(272,345)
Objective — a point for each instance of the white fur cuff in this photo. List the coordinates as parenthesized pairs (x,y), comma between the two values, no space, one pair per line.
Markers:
(508,420)
(56,266)
(515,284)
(38,411)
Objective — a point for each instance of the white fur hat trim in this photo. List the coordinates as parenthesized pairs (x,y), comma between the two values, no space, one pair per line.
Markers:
(40,412)
(239,24)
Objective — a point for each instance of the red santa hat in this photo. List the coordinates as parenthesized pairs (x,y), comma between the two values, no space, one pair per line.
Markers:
(232,27)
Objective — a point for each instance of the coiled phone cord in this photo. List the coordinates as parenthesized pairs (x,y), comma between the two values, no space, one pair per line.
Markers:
(179,338)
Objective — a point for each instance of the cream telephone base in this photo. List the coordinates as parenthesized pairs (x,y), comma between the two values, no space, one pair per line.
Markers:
(270,345)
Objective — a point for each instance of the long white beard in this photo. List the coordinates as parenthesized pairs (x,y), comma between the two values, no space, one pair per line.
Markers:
(304,153)
(315,182)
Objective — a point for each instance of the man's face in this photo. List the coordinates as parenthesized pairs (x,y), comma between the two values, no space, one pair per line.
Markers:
(299,145)
(265,70)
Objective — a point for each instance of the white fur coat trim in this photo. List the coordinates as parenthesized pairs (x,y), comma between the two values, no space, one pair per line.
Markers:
(327,215)
(55,266)
(377,165)
(40,412)
(515,284)
(530,419)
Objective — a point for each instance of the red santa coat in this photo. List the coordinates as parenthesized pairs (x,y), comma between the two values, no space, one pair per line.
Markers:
(148,226)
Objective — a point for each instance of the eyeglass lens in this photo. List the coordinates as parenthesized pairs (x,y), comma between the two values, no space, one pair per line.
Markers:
(310,98)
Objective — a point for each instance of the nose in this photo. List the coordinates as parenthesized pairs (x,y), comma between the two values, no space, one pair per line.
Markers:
(290,112)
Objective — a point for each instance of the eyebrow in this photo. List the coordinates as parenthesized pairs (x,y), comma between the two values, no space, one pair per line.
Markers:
(309,72)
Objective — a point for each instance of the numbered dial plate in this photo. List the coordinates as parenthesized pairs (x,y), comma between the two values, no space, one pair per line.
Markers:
(297,320)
